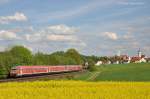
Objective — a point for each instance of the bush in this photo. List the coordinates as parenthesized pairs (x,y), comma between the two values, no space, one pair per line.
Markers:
(91,65)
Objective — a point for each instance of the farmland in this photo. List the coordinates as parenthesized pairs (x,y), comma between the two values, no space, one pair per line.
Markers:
(119,72)
(123,81)
(75,90)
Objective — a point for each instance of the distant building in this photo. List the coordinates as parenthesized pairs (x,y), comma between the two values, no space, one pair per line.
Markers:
(136,59)
(139,53)
(102,62)
(108,62)
(139,58)
(125,58)
(99,63)
(117,62)
(147,59)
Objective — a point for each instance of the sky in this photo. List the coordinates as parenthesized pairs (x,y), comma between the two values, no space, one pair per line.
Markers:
(93,27)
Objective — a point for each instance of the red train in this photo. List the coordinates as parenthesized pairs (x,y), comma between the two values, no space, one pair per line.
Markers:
(31,70)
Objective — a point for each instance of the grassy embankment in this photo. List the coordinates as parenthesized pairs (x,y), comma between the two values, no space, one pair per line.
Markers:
(119,72)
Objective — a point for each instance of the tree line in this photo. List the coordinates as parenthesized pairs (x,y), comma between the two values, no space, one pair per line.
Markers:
(20,55)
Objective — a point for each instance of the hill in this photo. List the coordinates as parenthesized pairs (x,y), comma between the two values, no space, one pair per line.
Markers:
(119,72)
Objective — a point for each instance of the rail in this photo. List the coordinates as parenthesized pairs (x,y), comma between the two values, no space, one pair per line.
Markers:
(63,75)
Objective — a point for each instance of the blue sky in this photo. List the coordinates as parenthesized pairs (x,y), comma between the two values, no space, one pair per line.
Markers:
(93,27)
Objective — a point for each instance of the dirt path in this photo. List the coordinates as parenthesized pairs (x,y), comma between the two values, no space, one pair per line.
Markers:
(94,75)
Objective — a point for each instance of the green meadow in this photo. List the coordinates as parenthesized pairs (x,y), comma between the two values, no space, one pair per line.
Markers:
(119,72)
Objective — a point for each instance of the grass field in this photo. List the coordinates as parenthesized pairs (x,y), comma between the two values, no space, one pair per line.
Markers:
(120,72)
(75,90)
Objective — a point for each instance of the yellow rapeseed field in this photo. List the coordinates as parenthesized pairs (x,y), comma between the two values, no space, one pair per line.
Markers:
(74,90)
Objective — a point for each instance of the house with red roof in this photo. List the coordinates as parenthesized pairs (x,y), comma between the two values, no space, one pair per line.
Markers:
(138,59)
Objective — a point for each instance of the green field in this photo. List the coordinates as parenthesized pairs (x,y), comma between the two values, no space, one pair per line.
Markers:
(120,72)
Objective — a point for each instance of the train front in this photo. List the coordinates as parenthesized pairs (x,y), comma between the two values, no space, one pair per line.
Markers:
(13,72)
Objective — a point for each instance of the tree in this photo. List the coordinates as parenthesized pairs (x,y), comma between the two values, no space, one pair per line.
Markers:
(75,55)
(115,59)
(104,59)
(22,55)
(62,59)
(91,65)
(39,59)
(7,61)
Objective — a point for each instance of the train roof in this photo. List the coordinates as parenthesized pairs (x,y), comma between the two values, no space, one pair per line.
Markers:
(41,66)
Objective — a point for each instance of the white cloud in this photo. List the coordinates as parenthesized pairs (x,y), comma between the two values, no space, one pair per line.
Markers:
(83,44)
(128,35)
(49,37)
(54,37)
(7,35)
(59,32)
(16,17)
(78,43)
(34,37)
(55,34)
(62,28)
(27,37)
(111,35)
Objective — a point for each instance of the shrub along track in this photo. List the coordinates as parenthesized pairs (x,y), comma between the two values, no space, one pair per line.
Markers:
(64,75)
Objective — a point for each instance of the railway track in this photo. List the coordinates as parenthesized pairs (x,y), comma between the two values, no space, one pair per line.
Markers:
(53,76)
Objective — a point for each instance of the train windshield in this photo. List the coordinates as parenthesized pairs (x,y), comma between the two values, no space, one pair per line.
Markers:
(13,69)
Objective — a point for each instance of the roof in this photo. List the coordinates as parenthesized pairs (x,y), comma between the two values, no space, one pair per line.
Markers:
(135,58)
(43,66)
(125,57)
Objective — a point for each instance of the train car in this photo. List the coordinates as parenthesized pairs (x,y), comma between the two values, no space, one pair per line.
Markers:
(32,70)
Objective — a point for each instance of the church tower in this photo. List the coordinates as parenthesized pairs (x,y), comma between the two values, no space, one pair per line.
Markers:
(139,53)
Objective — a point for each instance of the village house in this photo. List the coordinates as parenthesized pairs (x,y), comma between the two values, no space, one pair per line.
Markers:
(125,59)
(138,59)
